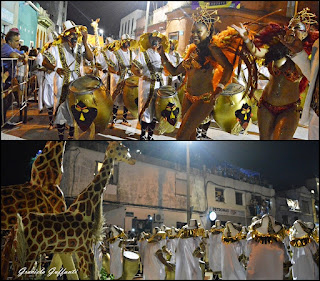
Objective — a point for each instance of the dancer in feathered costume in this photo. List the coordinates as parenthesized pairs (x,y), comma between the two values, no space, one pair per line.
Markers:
(279,107)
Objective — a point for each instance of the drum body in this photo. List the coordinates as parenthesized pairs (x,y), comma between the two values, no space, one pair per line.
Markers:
(106,263)
(130,95)
(168,109)
(170,275)
(203,268)
(181,91)
(254,104)
(224,110)
(89,102)
(131,262)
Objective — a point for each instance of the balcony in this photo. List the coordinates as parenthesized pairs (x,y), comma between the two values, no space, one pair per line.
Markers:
(45,21)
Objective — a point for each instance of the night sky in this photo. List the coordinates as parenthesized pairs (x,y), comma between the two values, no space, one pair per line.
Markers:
(283,163)
(109,12)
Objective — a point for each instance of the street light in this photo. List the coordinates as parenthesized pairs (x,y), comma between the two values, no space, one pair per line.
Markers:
(212,216)
(101,32)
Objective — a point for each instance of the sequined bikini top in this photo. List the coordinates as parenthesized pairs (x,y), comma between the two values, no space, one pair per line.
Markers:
(288,69)
(191,61)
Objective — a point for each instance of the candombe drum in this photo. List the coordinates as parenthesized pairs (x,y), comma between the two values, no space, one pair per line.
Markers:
(131,262)
(106,262)
(167,109)
(130,95)
(90,103)
(181,91)
(230,100)
(170,275)
(254,104)
(203,268)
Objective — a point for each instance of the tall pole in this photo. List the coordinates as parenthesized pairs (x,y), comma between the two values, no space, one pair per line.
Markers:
(147,17)
(188,184)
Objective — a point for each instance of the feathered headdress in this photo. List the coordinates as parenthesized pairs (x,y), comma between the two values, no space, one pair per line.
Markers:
(209,18)
(304,17)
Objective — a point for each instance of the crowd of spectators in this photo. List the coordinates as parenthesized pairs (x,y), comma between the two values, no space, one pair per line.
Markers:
(16,71)
(238,174)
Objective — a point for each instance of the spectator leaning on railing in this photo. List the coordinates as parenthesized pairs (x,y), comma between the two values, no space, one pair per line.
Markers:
(10,50)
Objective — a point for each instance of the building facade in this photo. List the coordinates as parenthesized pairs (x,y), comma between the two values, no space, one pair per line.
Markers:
(33,19)
(9,15)
(57,12)
(174,19)
(294,204)
(157,189)
(313,185)
(128,23)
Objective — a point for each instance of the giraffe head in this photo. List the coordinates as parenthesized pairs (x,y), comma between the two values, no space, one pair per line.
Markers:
(94,24)
(48,166)
(119,152)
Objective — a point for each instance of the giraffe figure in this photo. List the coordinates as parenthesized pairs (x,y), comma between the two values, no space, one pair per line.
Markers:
(72,231)
(41,194)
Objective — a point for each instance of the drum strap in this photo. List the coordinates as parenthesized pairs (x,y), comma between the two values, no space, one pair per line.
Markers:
(108,61)
(123,70)
(176,54)
(50,57)
(154,76)
(66,78)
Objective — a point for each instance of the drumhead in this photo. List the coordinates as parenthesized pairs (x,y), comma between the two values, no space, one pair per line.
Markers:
(85,84)
(130,255)
(166,92)
(232,89)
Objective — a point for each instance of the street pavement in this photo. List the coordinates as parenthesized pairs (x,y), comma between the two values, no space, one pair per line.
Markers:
(36,128)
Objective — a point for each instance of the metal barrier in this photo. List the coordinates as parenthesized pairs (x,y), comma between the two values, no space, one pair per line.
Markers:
(15,93)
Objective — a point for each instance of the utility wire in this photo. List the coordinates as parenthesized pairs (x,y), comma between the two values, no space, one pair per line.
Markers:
(80,11)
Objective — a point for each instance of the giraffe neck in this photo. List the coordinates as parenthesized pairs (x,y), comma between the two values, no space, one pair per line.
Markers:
(47,167)
(96,37)
(89,201)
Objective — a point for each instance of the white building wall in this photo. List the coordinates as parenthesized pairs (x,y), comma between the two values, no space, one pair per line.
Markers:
(159,15)
(128,23)
(148,189)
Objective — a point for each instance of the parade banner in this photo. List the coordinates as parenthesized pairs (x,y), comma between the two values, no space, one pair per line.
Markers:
(216,4)
(228,212)
(91,40)
(293,205)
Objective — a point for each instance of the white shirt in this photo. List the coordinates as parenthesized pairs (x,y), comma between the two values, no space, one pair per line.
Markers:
(116,259)
(303,264)
(187,266)
(144,86)
(153,269)
(265,260)
(214,251)
(231,269)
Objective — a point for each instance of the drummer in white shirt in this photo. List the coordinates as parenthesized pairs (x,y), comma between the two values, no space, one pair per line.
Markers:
(103,60)
(175,58)
(121,70)
(147,65)
(68,56)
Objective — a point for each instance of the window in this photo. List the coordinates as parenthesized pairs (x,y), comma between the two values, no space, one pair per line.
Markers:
(219,195)
(181,187)
(305,206)
(174,35)
(132,26)
(285,219)
(239,198)
(180,224)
